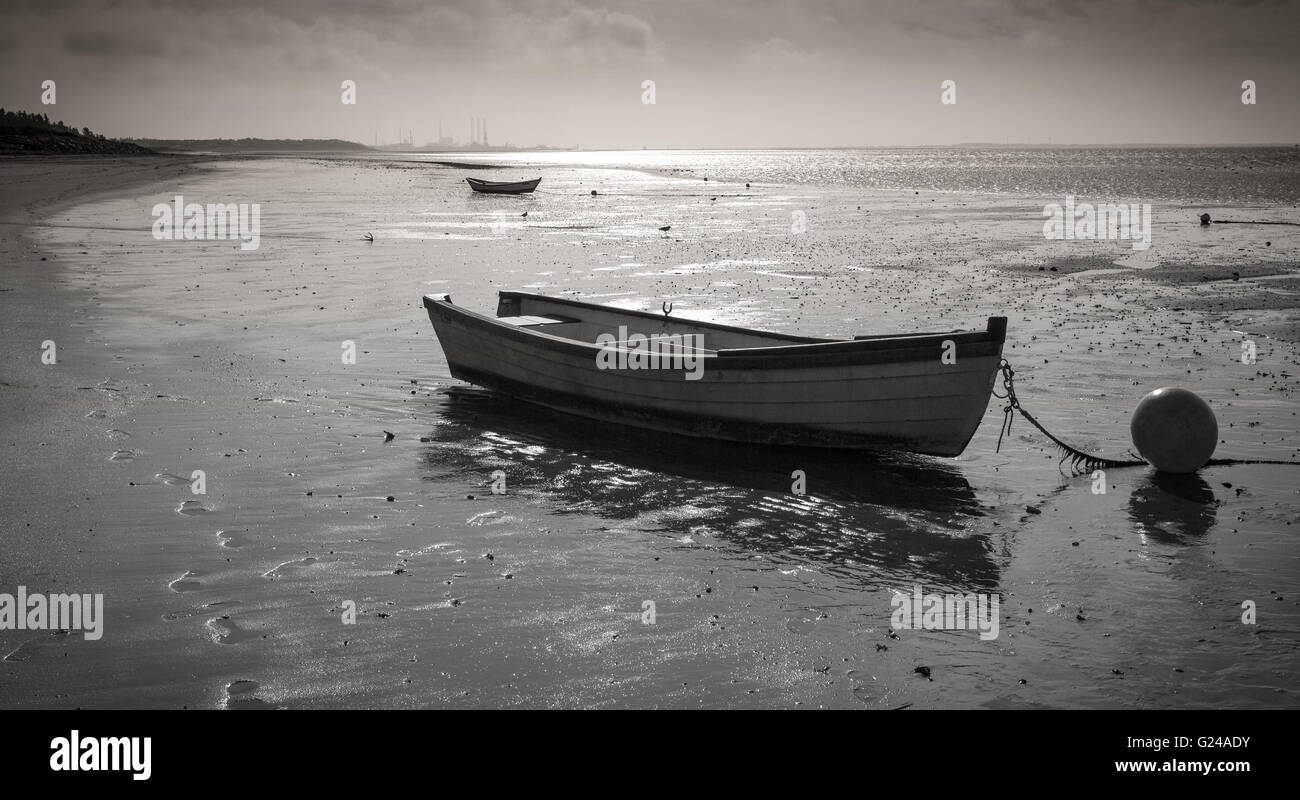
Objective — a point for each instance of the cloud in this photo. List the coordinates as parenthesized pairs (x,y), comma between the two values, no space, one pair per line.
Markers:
(580,35)
(781,53)
(99,43)
(1041,40)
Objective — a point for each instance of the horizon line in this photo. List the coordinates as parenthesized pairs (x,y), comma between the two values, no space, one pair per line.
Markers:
(613,149)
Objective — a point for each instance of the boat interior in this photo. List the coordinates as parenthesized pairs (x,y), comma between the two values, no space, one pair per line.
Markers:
(584,322)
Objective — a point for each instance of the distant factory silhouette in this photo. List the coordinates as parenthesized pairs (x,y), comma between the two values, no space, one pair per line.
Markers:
(478,140)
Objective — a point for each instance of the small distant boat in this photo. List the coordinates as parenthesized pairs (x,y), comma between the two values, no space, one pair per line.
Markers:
(503,187)
(917,392)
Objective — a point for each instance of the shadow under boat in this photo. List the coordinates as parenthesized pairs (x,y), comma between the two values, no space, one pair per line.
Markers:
(884,515)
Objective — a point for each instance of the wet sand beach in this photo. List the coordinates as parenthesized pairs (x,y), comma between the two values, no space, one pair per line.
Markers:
(176,356)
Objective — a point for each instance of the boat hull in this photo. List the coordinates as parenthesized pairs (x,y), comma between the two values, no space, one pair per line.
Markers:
(879,393)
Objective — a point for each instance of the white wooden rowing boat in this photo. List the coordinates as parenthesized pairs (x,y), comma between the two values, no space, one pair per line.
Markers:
(503,187)
(922,392)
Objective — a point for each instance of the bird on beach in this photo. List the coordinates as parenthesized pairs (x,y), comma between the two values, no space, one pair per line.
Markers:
(524,214)
(666,228)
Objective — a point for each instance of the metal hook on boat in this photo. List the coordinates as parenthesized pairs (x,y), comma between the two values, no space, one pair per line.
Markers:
(667,307)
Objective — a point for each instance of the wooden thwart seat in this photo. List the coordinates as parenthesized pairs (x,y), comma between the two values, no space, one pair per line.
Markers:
(531,320)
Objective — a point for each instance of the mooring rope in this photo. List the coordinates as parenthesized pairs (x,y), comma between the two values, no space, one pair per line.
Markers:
(1080,461)
(1251,222)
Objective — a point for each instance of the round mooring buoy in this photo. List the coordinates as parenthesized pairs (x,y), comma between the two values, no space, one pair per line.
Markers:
(1175,430)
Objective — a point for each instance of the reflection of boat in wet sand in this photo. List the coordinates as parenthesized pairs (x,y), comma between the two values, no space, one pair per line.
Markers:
(918,392)
(503,187)
(867,514)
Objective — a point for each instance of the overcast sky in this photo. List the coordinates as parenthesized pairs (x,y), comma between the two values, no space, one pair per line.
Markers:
(728,73)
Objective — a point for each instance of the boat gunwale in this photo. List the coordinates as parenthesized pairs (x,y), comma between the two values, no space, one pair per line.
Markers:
(748,357)
(511,293)
(790,337)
